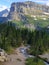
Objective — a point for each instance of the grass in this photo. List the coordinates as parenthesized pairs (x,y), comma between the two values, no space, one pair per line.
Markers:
(10,50)
(19,23)
(34,61)
(39,22)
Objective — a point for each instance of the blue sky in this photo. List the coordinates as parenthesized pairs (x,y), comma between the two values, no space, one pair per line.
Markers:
(6,3)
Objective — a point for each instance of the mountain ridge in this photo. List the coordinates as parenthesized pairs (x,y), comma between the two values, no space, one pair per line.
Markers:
(4,13)
(19,10)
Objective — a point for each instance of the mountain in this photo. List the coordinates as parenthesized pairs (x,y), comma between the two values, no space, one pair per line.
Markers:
(24,10)
(20,10)
(4,13)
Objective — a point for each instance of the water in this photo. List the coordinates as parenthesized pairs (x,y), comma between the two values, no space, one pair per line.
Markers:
(46,63)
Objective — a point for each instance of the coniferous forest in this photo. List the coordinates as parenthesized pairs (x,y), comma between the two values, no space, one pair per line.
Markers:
(11,37)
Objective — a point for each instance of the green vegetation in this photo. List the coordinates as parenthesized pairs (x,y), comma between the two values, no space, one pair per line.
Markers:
(9,36)
(34,61)
(39,41)
(31,20)
(12,37)
(18,23)
(39,22)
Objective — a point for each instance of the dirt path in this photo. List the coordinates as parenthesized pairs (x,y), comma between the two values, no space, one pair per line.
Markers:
(16,59)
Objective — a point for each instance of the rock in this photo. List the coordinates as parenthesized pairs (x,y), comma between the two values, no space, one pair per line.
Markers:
(4,13)
(19,10)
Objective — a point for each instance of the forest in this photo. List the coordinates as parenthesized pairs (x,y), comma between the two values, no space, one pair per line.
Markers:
(12,37)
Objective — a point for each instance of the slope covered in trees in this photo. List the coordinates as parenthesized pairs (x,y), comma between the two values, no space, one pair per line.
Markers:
(11,37)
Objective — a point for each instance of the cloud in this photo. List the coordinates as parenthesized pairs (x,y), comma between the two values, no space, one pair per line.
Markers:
(7,0)
(42,0)
(3,7)
(47,4)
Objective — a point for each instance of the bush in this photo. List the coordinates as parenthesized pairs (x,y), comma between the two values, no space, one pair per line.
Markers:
(34,61)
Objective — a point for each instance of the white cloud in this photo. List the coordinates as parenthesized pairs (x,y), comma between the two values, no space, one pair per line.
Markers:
(43,1)
(47,3)
(3,7)
(8,0)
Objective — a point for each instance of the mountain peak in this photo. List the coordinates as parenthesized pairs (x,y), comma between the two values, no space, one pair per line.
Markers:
(19,10)
(4,13)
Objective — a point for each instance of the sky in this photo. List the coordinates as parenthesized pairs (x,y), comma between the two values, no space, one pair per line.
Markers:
(5,4)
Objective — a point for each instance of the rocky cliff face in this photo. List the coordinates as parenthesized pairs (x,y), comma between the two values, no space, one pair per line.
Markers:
(16,12)
(19,10)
